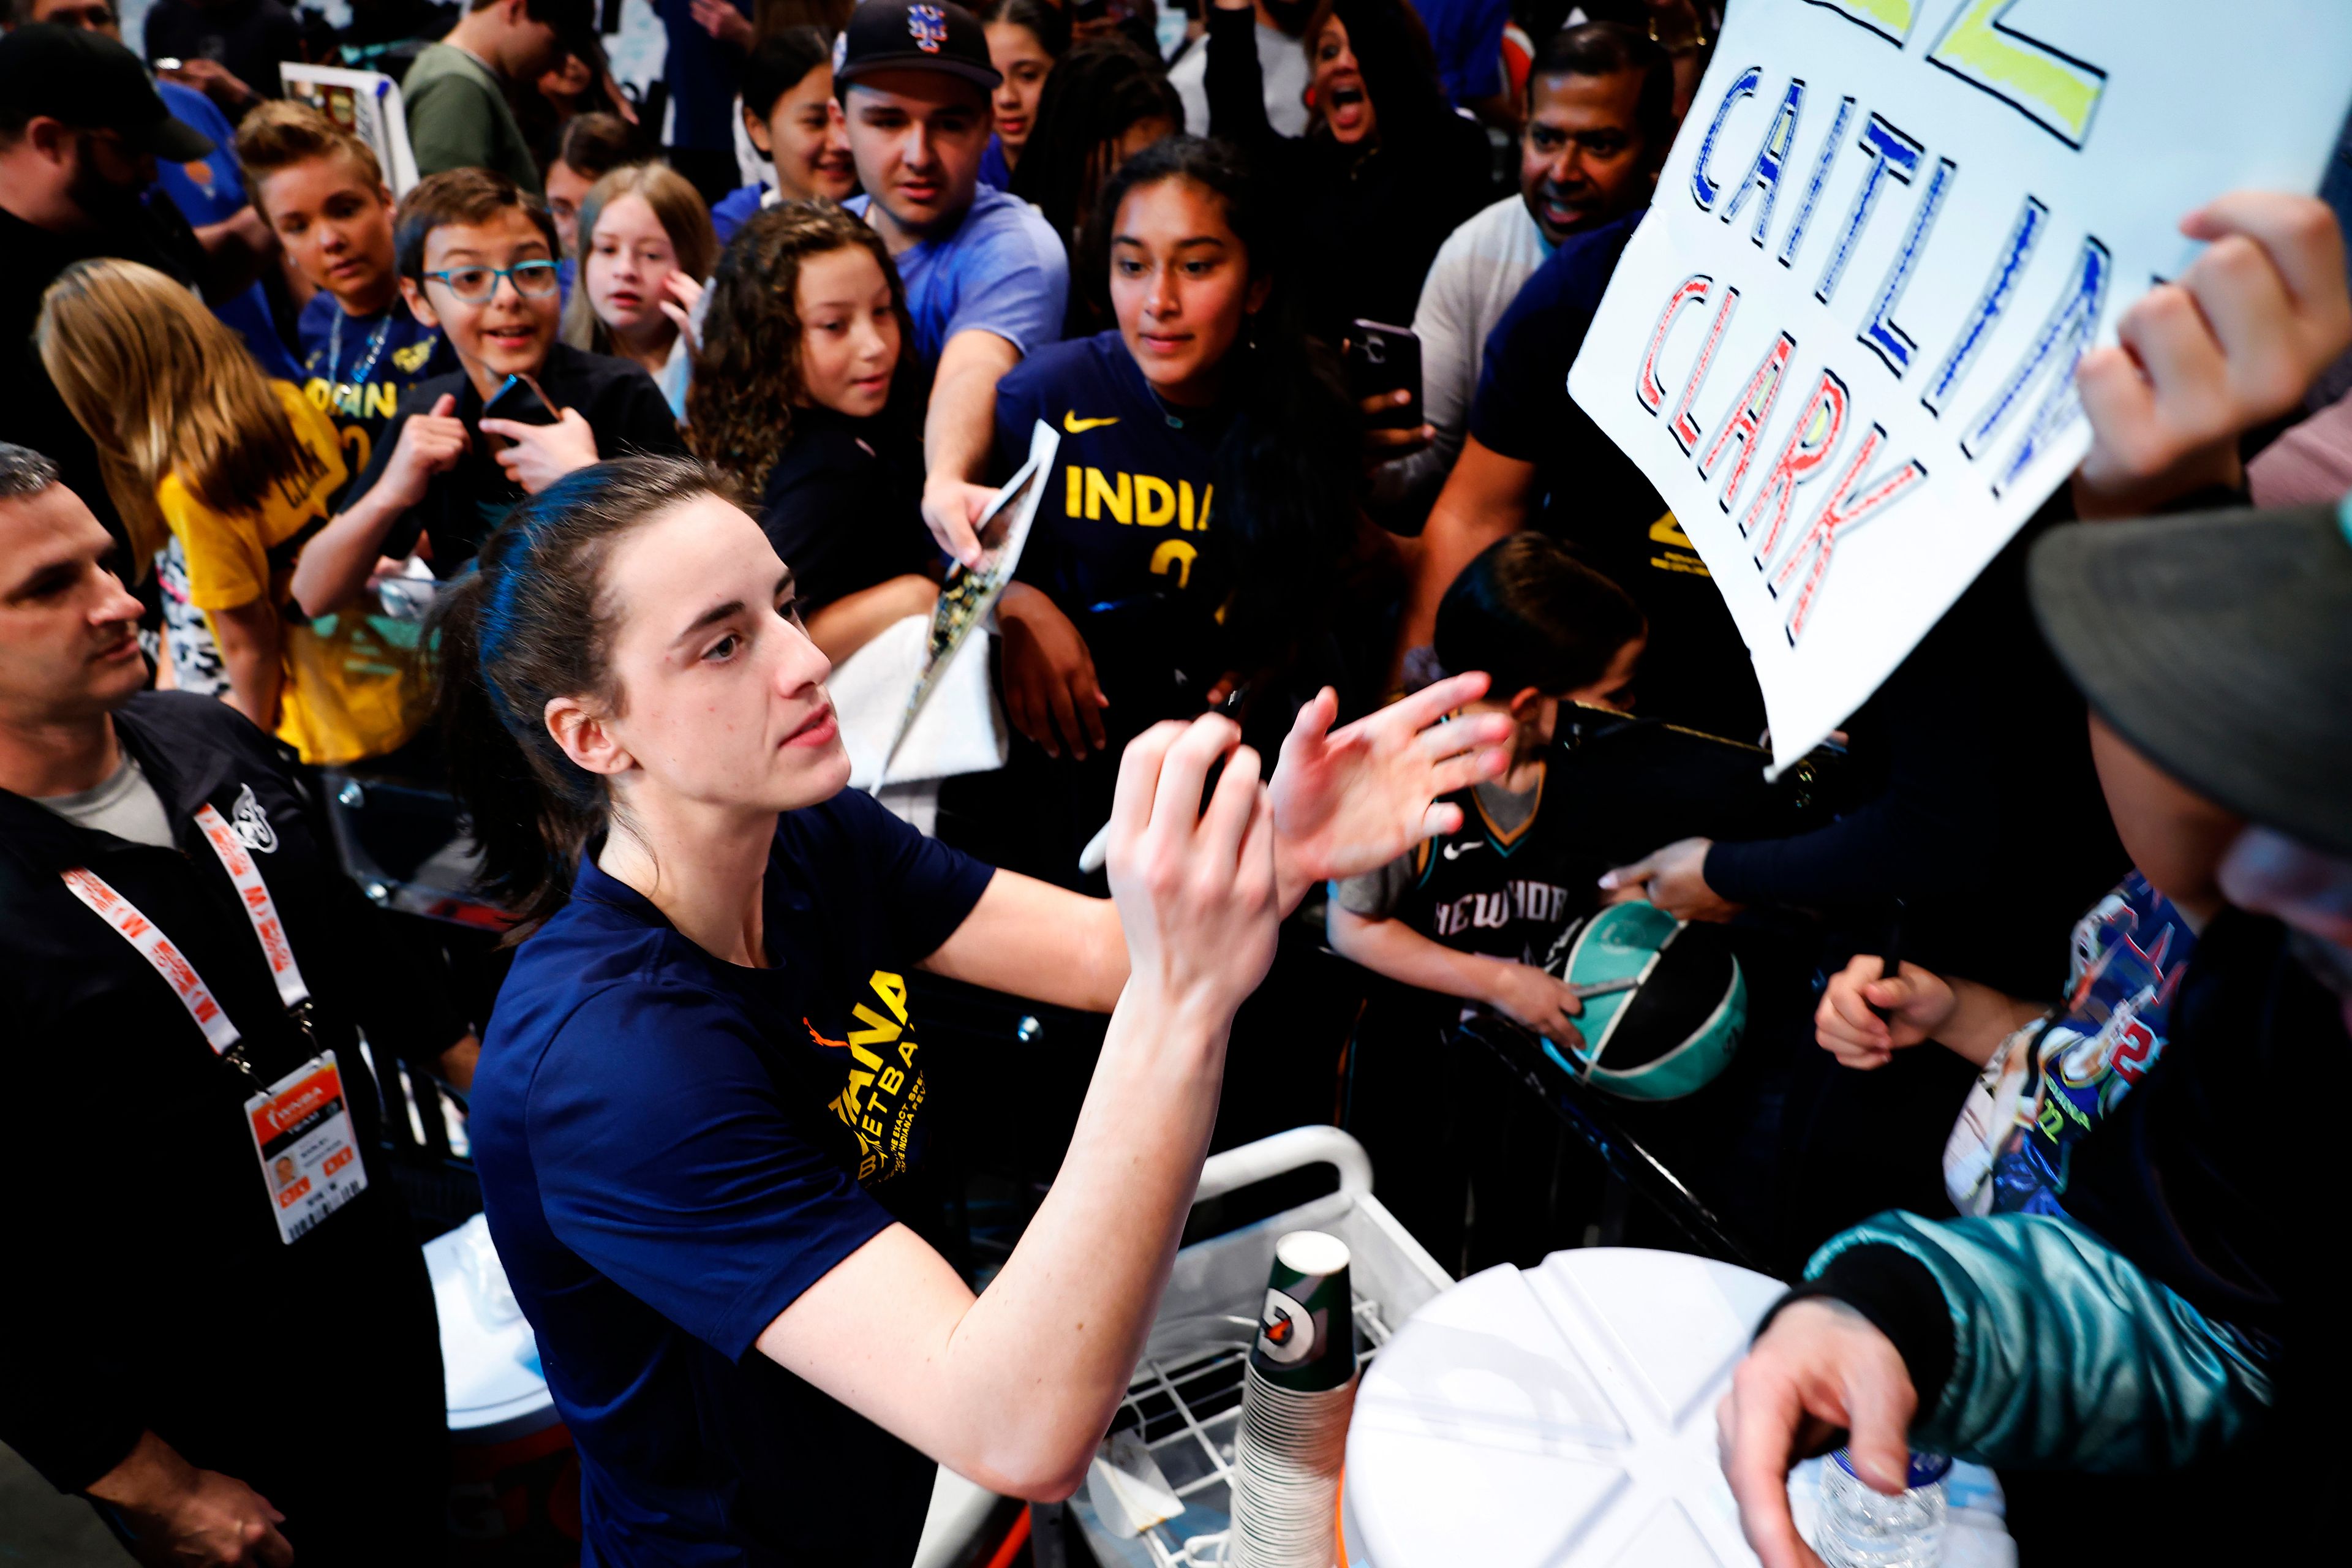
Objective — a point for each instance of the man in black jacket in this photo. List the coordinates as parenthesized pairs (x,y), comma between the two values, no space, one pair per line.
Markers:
(216,1325)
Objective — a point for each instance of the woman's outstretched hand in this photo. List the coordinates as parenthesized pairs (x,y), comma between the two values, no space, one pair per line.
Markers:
(1352,800)
(1195,884)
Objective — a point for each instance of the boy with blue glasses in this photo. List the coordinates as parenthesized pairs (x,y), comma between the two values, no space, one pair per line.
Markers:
(478,259)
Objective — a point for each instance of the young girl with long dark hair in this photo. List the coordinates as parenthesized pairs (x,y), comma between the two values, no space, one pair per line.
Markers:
(706,1078)
(1106,101)
(1202,524)
(1210,466)
(802,394)
(1025,39)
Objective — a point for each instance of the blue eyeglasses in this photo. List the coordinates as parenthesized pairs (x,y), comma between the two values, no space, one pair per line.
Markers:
(475,285)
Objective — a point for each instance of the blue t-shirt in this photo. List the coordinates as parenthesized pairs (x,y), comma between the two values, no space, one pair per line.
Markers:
(1467,37)
(356,369)
(731,211)
(993,169)
(211,190)
(673,1148)
(1002,270)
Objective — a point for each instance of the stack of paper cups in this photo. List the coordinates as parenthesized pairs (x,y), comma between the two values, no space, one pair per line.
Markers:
(1298,1392)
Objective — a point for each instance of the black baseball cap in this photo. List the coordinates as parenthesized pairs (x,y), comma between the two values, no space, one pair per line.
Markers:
(92,83)
(913,34)
(2219,645)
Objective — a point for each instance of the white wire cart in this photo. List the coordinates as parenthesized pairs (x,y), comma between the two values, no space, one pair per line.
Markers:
(1186,1397)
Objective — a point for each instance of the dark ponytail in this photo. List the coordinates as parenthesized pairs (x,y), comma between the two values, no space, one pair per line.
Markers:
(528,625)
(1289,469)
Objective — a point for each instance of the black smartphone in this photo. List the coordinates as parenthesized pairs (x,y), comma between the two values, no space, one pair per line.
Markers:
(521,400)
(1384,359)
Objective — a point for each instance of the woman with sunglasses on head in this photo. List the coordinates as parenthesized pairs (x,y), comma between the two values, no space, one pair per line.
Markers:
(709,1080)
(1387,168)
(477,260)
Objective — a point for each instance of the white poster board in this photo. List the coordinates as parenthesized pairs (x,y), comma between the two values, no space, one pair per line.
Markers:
(1841,344)
(365,103)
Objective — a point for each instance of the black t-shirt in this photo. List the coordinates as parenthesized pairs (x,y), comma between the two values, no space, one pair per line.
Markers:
(1493,886)
(843,505)
(673,1148)
(618,399)
(1590,494)
(248,37)
(31,413)
(1126,539)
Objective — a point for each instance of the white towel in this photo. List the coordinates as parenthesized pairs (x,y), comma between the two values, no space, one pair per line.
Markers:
(959,730)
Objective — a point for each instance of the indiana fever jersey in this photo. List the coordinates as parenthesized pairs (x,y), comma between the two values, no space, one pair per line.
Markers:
(1130,509)
(1505,892)
(356,368)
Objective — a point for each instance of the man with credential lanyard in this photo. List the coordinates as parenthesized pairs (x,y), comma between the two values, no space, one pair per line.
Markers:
(217,1326)
(705,1079)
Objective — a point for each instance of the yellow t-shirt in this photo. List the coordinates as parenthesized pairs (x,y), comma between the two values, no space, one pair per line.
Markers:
(351,688)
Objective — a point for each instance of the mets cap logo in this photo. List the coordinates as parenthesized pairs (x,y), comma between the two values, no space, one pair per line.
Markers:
(929,25)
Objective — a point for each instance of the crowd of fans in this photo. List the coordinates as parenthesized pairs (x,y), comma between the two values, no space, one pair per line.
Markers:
(286,454)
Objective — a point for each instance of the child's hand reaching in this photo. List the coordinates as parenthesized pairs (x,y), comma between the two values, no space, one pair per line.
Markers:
(1530,996)
(1916,1003)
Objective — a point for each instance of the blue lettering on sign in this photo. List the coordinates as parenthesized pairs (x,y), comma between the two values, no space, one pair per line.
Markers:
(1890,342)
(2055,353)
(1744,84)
(1813,187)
(1891,151)
(1764,173)
(2008,268)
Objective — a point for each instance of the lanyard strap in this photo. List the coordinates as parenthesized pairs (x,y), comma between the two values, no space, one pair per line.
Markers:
(157,949)
(167,961)
(253,893)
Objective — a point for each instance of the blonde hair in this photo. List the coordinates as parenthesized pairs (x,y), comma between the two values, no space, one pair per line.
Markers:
(279,133)
(162,387)
(677,207)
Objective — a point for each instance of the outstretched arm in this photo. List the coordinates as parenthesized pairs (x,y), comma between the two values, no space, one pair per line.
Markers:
(1015,1389)
(1345,802)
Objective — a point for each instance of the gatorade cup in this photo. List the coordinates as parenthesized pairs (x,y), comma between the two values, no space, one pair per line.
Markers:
(1306,1331)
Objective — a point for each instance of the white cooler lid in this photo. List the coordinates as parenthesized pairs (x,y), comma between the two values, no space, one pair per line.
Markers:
(1562,1414)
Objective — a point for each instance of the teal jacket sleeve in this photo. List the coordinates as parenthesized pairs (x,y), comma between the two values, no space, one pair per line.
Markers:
(2061,1354)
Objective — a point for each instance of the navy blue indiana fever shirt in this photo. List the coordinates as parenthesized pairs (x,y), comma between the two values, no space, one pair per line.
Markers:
(1129,508)
(673,1148)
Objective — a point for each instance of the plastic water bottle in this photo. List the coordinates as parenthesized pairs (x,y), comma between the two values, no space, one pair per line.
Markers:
(1862,1528)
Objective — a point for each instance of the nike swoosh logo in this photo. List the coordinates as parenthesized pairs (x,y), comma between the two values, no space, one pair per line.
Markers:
(1455,851)
(1077,426)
